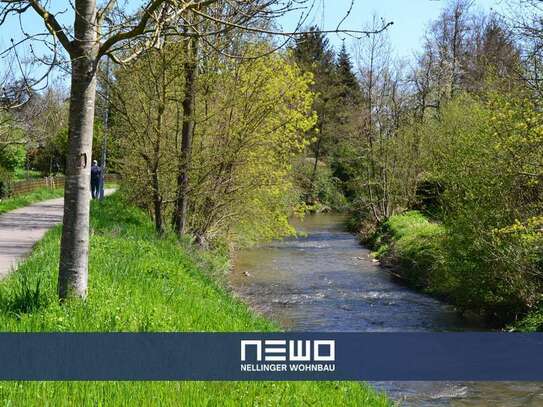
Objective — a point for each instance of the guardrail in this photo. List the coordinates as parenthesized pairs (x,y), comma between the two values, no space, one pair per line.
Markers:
(27,186)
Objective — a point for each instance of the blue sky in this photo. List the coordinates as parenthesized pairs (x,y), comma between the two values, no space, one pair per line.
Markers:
(411,18)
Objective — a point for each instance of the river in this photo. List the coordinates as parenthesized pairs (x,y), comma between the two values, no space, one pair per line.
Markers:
(325,281)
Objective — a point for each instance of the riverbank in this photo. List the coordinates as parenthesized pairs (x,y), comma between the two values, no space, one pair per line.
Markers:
(410,245)
(423,254)
(325,281)
(140,283)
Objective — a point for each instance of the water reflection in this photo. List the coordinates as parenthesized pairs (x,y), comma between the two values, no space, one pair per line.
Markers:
(326,281)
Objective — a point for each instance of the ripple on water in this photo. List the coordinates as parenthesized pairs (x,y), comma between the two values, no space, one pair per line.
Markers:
(327,282)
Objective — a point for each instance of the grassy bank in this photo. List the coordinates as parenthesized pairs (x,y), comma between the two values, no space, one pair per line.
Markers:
(141,283)
(412,246)
(38,195)
(533,322)
(431,258)
(21,174)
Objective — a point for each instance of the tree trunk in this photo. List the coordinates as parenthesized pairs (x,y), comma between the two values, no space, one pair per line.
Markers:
(189,102)
(74,249)
(155,183)
(157,203)
(312,187)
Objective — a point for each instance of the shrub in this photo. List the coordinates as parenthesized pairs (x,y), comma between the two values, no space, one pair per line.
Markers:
(326,192)
(496,276)
(13,157)
(488,154)
(428,195)
(5,182)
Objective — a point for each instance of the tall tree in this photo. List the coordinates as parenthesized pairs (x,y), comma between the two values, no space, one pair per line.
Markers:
(381,114)
(111,31)
(349,92)
(464,52)
(147,98)
(313,54)
(528,29)
(189,109)
(96,32)
(240,160)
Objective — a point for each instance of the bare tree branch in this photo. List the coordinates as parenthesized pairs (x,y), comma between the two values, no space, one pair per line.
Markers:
(52,25)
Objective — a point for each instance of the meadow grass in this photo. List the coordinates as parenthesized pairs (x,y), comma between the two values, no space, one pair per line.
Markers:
(23,174)
(38,195)
(413,244)
(412,222)
(141,283)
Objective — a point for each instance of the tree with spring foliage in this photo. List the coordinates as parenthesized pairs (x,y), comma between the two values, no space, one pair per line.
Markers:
(251,121)
(313,54)
(257,115)
(109,30)
(147,99)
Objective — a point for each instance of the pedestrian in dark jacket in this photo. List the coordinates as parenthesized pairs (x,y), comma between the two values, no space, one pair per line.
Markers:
(96,173)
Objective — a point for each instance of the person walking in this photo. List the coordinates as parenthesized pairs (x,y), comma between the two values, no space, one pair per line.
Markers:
(96,173)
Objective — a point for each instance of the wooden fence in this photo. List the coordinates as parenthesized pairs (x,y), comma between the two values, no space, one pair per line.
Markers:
(25,187)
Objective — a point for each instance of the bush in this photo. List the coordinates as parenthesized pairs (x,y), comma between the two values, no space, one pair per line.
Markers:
(13,157)
(495,276)
(428,195)
(326,192)
(533,322)
(5,182)
(488,153)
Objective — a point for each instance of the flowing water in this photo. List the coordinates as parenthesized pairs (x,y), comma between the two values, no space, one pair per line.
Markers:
(326,281)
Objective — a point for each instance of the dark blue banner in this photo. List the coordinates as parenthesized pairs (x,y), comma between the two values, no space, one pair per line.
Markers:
(275,356)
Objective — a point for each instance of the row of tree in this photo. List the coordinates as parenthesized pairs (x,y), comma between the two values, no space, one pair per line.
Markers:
(124,33)
(228,171)
(34,134)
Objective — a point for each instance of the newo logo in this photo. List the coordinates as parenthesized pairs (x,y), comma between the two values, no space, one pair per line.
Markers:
(297,351)
(297,355)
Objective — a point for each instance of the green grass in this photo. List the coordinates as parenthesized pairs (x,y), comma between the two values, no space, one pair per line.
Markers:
(532,322)
(22,174)
(412,222)
(413,243)
(189,394)
(38,195)
(141,283)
